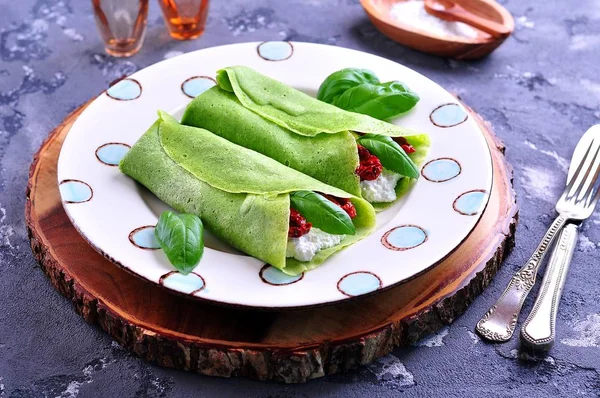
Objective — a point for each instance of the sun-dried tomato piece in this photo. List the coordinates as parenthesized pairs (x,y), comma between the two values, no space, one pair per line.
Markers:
(348,207)
(408,148)
(363,153)
(344,203)
(369,169)
(298,224)
(400,140)
(404,144)
(370,166)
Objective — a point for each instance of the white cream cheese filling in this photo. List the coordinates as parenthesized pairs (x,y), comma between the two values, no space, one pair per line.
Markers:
(308,245)
(382,189)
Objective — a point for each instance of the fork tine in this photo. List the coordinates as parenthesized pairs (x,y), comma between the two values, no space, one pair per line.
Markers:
(571,180)
(571,184)
(590,177)
(594,190)
(579,177)
(592,184)
(574,177)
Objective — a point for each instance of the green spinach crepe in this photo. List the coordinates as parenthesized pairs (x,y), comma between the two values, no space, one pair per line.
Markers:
(243,197)
(313,137)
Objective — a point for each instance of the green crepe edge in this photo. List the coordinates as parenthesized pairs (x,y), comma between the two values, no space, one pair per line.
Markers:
(276,101)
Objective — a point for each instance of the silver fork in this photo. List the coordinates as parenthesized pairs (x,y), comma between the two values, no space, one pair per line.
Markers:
(575,205)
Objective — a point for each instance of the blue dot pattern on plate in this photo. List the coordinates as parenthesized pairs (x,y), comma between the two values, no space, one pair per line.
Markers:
(194,86)
(73,191)
(359,283)
(144,238)
(470,203)
(125,90)
(448,115)
(275,50)
(189,283)
(274,276)
(112,153)
(440,170)
(404,237)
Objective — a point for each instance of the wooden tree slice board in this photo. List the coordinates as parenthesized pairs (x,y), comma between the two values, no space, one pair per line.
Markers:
(292,345)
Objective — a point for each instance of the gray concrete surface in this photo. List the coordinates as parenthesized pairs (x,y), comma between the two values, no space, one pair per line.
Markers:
(541,90)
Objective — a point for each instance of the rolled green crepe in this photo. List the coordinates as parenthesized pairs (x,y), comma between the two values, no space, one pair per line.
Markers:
(243,197)
(295,129)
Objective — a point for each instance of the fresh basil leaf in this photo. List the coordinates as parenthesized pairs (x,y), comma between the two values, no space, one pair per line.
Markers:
(322,213)
(338,82)
(391,155)
(181,238)
(382,101)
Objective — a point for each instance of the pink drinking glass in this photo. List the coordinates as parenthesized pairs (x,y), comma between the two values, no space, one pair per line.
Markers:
(122,25)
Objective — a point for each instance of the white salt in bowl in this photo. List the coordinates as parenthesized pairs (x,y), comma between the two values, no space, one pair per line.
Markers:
(438,38)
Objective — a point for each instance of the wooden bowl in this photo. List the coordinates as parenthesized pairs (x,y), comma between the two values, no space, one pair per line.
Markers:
(445,46)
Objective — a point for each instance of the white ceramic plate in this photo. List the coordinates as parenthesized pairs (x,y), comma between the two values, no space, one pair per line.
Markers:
(116,215)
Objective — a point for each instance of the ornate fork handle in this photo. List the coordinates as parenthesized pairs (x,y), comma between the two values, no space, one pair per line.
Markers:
(499,323)
(538,329)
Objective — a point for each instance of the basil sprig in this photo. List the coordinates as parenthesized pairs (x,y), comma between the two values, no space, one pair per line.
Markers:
(359,90)
(181,238)
(338,82)
(322,213)
(382,101)
(391,155)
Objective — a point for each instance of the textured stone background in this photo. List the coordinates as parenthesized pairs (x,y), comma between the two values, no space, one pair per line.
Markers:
(541,90)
